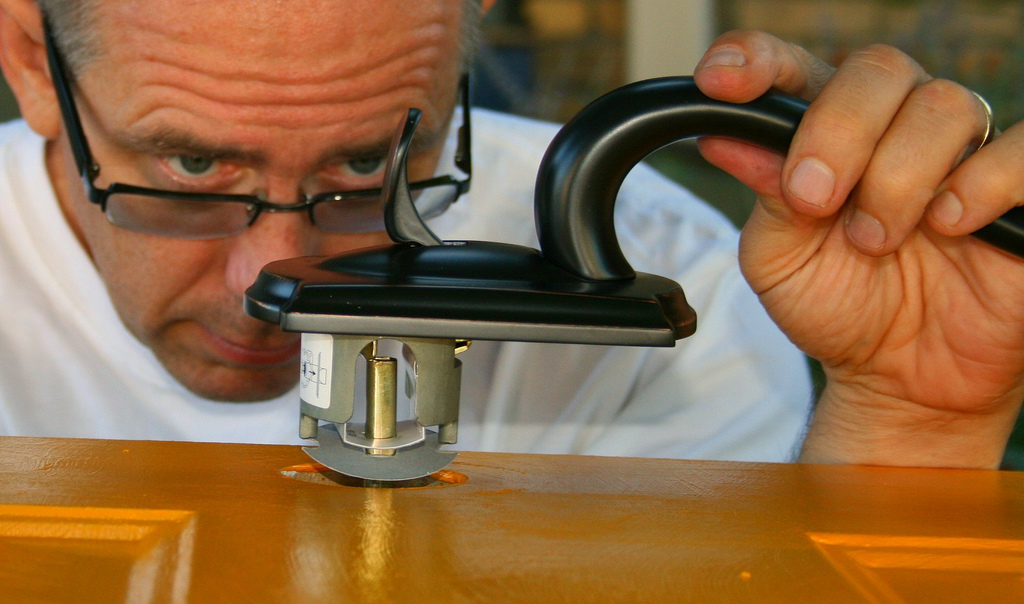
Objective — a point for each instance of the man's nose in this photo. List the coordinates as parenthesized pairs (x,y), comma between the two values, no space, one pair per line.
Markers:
(274,236)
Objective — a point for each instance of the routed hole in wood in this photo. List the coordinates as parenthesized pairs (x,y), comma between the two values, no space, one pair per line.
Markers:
(321,474)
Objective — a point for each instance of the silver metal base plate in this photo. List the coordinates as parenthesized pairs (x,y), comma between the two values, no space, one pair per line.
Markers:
(421,459)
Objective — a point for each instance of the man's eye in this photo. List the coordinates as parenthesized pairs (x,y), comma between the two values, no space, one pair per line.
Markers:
(192,165)
(365,166)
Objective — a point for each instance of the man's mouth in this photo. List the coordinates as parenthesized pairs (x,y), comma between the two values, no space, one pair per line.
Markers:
(273,353)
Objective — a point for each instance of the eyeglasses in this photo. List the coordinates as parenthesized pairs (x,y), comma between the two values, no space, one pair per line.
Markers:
(210,216)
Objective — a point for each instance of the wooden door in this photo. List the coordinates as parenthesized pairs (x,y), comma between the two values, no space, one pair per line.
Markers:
(139,522)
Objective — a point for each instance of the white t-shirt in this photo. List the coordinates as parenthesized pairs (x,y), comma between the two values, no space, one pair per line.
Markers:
(735,390)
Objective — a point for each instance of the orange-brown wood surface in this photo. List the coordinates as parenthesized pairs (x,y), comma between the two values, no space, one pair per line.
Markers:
(120,521)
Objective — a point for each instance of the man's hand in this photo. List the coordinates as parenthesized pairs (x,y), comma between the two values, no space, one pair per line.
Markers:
(858,248)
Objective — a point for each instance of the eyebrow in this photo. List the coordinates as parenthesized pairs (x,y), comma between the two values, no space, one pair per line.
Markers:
(168,140)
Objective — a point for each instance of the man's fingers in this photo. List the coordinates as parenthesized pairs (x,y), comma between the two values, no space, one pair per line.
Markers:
(982,188)
(843,127)
(740,66)
(880,139)
(755,167)
(933,130)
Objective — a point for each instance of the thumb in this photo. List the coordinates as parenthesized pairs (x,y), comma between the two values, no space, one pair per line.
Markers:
(757,168)
(776,239)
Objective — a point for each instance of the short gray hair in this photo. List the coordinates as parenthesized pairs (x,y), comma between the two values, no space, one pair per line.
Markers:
(74,27)
(469,37)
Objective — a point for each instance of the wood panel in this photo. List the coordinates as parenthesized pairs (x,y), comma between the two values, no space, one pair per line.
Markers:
(52,553)
(169,522)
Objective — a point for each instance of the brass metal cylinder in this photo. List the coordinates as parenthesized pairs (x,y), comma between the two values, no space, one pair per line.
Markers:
(381,397)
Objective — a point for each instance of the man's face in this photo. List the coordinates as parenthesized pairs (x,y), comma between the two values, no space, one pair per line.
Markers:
(239,97)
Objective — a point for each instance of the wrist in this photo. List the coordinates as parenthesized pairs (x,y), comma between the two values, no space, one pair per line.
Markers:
(855,426)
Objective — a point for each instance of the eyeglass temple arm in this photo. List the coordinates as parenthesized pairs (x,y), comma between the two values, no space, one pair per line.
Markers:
(463,156)
(401,219)
(58,74)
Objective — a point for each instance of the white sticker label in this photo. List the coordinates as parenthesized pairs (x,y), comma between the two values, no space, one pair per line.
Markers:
(317,363)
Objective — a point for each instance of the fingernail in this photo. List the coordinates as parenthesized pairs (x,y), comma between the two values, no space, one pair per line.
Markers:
(812,182)
(866,230)
(947,209)
(725,57)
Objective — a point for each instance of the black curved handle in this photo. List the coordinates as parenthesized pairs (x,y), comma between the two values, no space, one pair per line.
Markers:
(588,159)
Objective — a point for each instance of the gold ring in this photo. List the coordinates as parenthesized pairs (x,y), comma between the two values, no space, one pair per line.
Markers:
(989,122)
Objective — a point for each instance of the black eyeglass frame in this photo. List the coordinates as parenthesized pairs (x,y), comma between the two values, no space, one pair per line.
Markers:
(89,170)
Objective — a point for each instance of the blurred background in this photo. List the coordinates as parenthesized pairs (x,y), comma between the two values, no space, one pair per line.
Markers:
(547,58)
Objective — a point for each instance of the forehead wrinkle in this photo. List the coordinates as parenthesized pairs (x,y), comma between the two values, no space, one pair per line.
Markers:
(285,32)
(244,75)
(412,83)
(361,98)
(416,70)
(358,121)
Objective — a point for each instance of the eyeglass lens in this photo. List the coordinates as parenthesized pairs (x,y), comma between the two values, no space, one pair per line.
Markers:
(182,217)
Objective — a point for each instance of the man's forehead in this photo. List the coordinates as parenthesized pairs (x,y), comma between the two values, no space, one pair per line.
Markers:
(255,26)
(267,14)
(294,64)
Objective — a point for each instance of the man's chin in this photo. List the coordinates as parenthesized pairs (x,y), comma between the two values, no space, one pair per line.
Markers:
(232,385)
